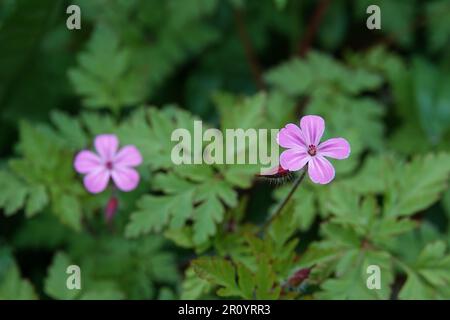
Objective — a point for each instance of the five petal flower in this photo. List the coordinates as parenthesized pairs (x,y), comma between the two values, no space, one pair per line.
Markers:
(304,147)
(110,162)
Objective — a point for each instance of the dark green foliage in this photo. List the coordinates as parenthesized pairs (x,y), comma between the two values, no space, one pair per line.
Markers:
(142,68)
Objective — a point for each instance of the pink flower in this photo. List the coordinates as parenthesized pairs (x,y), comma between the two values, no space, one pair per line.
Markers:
(109,163)
(304,148)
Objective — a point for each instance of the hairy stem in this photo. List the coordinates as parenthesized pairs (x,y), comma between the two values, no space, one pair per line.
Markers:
(285,201)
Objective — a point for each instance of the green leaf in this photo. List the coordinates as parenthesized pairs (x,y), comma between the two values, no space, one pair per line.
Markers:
(302,205)
(418,184)
(245,281)
(319,71)
(12,285)
(280,109)
(393,25)
(186,11)
(318,253)
(156,212)
(70,130)
(356,119)
(353,283)
(13,193)
(55,282)
(281,4)
(193,287)
(373,176)
(207,215)
(429,276)
(244,113)
(434,264)
(266,288)
(104,76)
(151,130)
(68,209)
(202,201)
(42,232)
(338,241)
(438,29)
(431,88)
(415,289)
(42,175)
(238,280)
(37,200)
(219,272)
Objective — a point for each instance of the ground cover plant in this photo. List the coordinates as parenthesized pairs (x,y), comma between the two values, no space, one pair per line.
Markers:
(72,100)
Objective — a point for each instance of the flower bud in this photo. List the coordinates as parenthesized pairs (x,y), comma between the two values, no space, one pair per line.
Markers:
(111,208)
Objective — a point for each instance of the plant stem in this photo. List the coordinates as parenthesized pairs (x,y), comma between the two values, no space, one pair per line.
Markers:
(313,27)
(249,51)
(286,199)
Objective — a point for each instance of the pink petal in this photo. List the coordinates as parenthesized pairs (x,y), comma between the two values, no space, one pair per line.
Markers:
(337,148)
(320,170)
(312,129)
(86,161)
(126,179)
(291,137)
(96,181)
(294,159)
(128,156)
(106,146)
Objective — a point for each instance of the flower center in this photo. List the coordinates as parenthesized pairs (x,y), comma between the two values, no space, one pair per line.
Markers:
(109,165)
(312,150)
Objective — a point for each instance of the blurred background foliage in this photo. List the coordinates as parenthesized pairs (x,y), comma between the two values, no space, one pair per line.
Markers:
(142,68)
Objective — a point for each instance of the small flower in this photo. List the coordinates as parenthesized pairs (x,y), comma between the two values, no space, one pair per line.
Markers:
(304,148)
(109,163)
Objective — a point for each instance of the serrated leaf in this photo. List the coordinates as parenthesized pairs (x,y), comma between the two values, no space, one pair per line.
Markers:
(219,272)
(265,278)
(55,282)
(202,201)
(302,206)
(155,212)
(37,200)
(193,287)
(415,289)
(206,216)
(70,129)
(429,276)
(418,184)
(12,285)
(235,281)
(105,77)
(297,77)
(13,193)
(68,209)
(353,283)
(244,113)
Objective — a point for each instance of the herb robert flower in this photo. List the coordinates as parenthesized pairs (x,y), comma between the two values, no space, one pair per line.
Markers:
(109,163)
(304,147)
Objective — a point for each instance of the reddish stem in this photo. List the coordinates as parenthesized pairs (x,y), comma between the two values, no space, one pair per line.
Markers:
(250,55)
(313,27)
